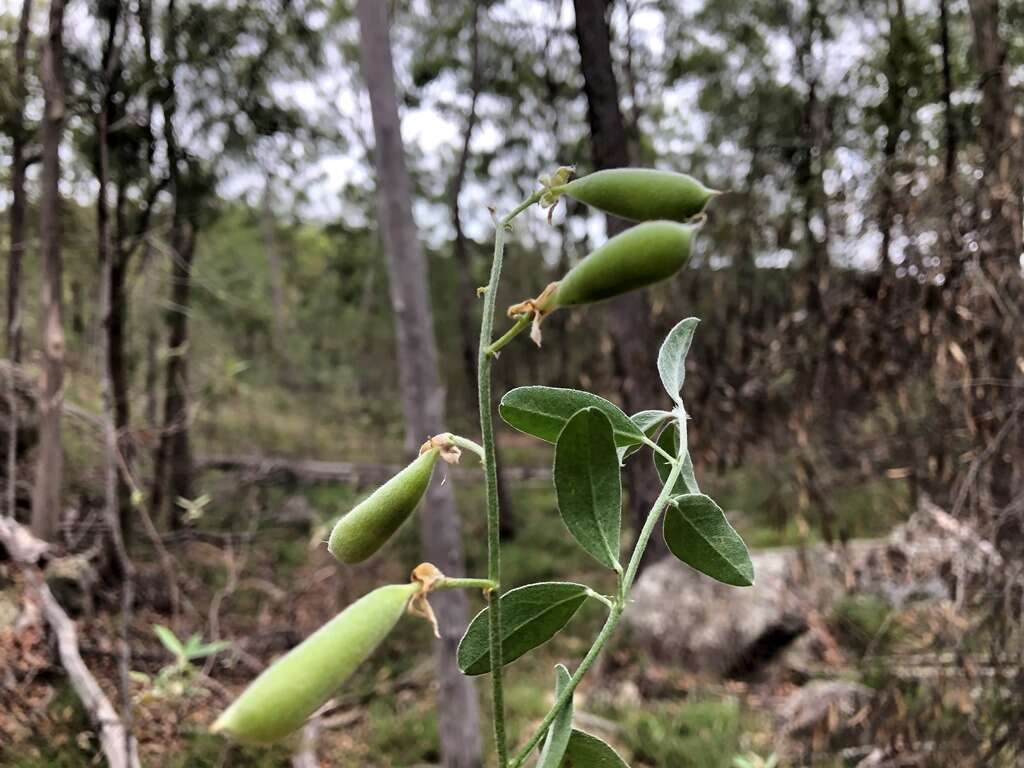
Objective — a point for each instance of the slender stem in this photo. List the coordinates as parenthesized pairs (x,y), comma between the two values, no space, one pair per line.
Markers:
(521,324)
(467,445)
(485,584)
(491,481)
(613,617)
(658,449)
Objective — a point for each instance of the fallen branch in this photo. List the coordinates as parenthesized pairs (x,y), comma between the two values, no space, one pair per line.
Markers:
(119,748)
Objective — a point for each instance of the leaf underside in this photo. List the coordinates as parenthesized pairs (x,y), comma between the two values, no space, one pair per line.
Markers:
(560,732)
(530,616)
(672,357)
(698,533)
(669,441)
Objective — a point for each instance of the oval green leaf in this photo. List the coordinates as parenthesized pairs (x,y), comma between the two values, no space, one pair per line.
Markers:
(543,412)
(587,484)
(672,357)
(530,616)
(586,751)
(560,731)
(669,441)
(697,532)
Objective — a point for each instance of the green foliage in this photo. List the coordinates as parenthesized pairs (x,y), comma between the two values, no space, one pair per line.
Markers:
(587,484)
(700,734)
(544,411)
(669,442)
(863,622)
(586,751)
(672,357)
(559,733)
(531,615)
(697,532)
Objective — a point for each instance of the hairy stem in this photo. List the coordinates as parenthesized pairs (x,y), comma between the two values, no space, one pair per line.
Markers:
(462,583)
(613,616)
(491,479)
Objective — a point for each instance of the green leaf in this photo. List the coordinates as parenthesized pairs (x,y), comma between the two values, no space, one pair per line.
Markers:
(543,412)
(587,484)
(530,616)
(669,442)
(697,532)
(672,357)
(169,640)
(648,422)
(201,651)
(560,731)
(586,751)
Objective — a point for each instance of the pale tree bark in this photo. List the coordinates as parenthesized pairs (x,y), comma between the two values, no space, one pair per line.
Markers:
(422,393)
(46,494)
(633,333)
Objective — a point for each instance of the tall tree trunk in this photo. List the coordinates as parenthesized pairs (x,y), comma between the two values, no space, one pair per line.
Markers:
(422,394)
(46,495)
(18,208)
(19,140)
(274,267)
(172,464)
(1001,244)
(633,333)
(463,258)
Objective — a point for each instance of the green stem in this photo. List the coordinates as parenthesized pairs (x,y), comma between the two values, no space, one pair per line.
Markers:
(613,616)
(467,445)
(658,449)
(521,324)
(485,584)
(491,479)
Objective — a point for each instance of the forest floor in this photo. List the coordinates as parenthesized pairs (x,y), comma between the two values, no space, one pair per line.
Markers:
(255,573)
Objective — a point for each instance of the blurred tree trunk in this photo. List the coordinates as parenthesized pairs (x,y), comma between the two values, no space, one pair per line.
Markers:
(1001,244)
(422,393)
(19,163)
(111,301)
(635,340)
(46,495)
(274,266)
(172,465)
(18,208)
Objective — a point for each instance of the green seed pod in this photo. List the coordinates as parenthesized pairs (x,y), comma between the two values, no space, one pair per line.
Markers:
(641,256)
(291,689)
(641,194)
(367,528)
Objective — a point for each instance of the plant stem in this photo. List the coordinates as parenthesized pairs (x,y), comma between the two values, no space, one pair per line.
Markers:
(521,324)
(485,584)
(613,616)
(491,480)
(467,445)
(658,449)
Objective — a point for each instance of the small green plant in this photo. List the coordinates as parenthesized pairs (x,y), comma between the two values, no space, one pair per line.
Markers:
(177,679)
(592,439)
(753,760)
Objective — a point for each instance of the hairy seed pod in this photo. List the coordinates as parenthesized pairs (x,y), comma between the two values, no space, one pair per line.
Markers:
(641,194)
(641,256)
(284,696)
(367,528)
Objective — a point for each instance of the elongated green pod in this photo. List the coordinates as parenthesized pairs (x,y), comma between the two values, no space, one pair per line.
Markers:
(373,521)
(283,697)
(641,194)
(641,256)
